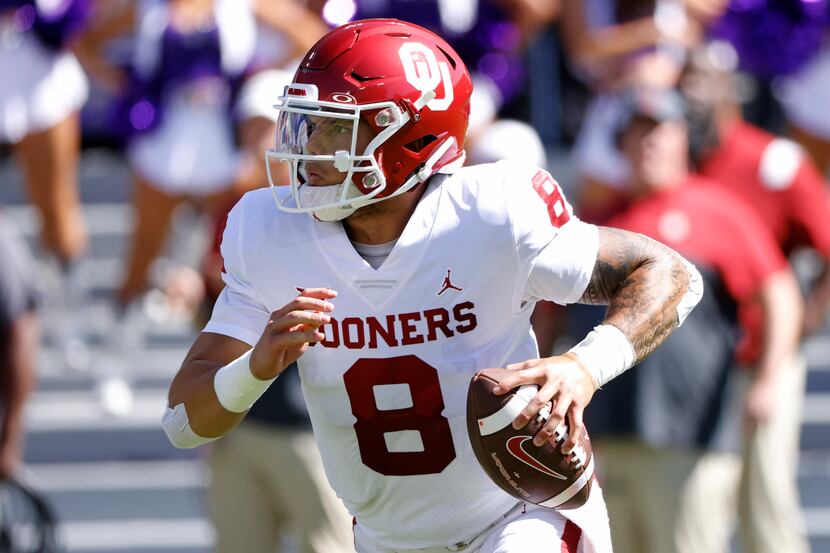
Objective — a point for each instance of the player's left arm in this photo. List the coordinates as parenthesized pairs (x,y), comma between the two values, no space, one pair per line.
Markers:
(649,290)
(643,283)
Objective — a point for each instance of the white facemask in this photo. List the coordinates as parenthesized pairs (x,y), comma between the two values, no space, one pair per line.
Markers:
(311,196)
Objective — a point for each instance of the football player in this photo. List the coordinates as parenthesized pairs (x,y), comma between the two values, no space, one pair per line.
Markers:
(348,277)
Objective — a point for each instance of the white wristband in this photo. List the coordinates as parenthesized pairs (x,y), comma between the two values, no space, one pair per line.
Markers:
(692,295)
(606,353)
(236,388)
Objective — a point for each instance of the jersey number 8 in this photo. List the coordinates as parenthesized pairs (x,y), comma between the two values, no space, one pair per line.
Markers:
(423,416)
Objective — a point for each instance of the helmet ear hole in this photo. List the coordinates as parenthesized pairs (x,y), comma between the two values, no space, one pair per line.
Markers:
(419,144)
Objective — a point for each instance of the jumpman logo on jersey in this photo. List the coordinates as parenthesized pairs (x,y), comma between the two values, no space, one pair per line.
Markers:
(448,285)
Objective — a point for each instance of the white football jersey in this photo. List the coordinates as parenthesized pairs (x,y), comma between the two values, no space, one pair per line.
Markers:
(387,389)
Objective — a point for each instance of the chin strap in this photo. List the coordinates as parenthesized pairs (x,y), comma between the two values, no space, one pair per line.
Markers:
(427,170)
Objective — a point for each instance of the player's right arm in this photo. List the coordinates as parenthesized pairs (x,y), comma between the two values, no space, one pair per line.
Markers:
(221,373)
(193,384)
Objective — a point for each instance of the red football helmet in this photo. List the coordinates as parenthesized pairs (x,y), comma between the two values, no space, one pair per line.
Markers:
(405,82)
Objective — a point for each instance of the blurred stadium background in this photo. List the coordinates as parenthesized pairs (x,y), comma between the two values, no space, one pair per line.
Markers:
(115,482)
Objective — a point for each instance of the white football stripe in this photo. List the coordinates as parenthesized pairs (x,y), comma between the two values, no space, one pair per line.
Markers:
(573,489)
(504,416)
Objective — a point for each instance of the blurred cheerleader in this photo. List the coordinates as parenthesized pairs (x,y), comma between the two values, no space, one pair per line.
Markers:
(191,58)
(285,31)
(41,95)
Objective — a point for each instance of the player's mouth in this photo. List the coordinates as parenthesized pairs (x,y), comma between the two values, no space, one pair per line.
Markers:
(314,178)
(317,175)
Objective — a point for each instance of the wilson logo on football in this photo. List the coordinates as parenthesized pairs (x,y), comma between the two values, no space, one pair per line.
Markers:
(515,446)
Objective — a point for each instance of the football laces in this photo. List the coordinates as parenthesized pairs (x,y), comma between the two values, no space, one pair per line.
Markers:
(544,413)
(577,455)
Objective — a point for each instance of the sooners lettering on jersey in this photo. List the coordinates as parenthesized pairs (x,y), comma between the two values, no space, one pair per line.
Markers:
(386,389)
(401,329)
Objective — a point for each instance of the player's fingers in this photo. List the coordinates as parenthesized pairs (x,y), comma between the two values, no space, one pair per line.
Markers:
(576,427)
(534,406)
(559,409)
(521,375)
(320,293)
(297,337)
(302,303)
(309,304)
(312,319)
(279,350)
(530,363)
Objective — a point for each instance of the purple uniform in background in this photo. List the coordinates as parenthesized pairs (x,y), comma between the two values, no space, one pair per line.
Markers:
(481,33)
(55,26)
(774,37)
(188,63)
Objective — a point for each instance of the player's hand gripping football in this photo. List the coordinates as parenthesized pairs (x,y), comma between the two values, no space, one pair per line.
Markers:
(561,379)
(290,330)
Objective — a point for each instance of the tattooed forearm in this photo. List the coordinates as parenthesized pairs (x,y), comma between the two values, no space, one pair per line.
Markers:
(642,282)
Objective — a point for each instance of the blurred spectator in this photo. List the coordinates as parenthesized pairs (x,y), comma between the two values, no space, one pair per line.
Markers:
(675,421)
(190,56)
(490,36)
(19,334)
(105,51)
(782,185)
(267,475)
(285,30)
(175,113)
(772,174)
(612,45)
(41,93)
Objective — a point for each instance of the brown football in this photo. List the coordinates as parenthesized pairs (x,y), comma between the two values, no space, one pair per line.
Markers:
(540,475)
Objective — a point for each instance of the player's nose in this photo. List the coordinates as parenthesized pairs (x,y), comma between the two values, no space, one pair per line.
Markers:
(314,144)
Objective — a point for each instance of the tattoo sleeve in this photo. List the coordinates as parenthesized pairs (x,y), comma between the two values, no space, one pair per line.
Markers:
(642,282)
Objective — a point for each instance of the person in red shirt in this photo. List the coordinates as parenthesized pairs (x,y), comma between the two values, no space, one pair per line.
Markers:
(672,425)
(780,183)
(774,175)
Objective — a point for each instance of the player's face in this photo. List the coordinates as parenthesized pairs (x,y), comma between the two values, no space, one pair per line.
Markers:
(657,152)
(325,137)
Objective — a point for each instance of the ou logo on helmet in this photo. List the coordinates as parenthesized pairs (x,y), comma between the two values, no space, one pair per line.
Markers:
(424,72)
